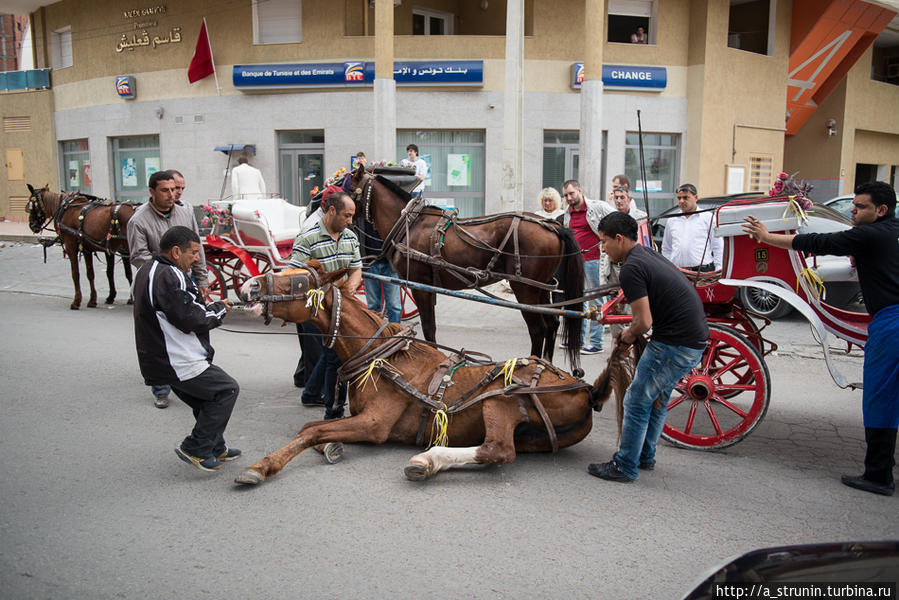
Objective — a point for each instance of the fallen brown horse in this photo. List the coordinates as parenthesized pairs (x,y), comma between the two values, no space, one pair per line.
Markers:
(85,225)
(431,246)
(402,390)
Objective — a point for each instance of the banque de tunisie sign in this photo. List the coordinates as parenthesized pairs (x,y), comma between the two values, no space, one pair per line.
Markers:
(625,77)
(357,73)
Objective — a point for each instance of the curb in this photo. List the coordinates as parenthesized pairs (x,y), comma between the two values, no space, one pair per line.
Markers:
(15,237)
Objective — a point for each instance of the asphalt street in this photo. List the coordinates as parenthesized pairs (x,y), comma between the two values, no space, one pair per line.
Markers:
(96,505)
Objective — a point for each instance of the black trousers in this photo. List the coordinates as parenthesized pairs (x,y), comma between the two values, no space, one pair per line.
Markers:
(211,395)
(310,351)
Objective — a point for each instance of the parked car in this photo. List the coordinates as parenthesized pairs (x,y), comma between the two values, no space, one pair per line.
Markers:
(841,204)
(840,279)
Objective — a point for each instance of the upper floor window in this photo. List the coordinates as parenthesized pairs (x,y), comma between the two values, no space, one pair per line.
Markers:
(885,54)
(751,26)
(431,22)
(61,47)
(277,21)
(631,21)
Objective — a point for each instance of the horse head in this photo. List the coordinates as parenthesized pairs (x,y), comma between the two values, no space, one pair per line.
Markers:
(38,213)
(295,295)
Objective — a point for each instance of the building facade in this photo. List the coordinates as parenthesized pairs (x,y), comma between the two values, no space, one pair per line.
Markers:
(502,98)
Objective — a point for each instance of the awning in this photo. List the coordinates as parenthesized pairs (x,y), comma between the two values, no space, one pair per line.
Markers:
(231,148)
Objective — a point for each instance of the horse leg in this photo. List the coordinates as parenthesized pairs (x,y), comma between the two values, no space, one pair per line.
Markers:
(72,250)
(426,303)
(368,426)
(535,322)
(89,271)
(126,262)
(500,419)
(110,277)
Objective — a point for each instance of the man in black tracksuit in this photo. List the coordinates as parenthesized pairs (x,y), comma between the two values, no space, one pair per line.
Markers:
(171,330)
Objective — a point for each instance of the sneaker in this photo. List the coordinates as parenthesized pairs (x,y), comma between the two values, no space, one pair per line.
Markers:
(162,401)
(317,402)
(590,350)
(648,466)
(230,454)
(206,464)
(563,345)
(608,471)
(867,485)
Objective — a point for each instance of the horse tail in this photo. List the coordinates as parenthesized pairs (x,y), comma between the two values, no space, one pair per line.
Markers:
(572,284)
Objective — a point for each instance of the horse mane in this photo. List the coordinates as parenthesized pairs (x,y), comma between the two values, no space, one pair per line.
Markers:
(397,190)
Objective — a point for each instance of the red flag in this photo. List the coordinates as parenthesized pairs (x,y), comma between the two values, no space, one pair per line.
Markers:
(201,64)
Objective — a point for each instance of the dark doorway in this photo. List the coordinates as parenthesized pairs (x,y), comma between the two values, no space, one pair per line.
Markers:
(865,173)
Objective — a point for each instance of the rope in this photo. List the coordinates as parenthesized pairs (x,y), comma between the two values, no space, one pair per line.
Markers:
(441,422)
(814,285)
(315,298)
(376,363)
(795,208)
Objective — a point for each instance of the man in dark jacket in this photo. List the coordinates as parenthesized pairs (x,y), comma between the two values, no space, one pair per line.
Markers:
(873,243)
(171,331)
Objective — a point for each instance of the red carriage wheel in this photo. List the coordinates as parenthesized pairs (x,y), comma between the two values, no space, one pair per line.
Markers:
(218,289)
(410,309)
(723,398)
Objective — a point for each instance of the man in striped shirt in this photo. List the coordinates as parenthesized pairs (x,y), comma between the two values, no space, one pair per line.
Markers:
(336,247)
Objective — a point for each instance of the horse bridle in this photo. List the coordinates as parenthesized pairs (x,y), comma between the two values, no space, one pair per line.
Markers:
(299,290)
(363,194)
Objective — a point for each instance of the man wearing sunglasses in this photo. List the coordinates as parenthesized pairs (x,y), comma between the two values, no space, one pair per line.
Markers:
(689,241)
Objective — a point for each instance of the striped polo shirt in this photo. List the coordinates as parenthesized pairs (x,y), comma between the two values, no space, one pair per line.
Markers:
(332,254)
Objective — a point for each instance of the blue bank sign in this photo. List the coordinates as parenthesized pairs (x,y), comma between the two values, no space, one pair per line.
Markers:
(357,74)
(621,77)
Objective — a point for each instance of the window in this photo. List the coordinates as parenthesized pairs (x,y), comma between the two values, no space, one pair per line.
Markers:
(301,157)
(277,21)
(761,171)
(750,26)
(134,159)
(456,165)
(661,157)
(626,16)
(561,157)
(75,166)
(885,56)
(431,22)
(61,47)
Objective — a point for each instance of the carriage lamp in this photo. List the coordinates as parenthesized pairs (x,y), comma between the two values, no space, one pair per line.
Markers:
(831,125)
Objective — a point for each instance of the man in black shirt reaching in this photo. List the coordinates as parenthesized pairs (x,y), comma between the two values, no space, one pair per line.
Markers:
(873,243)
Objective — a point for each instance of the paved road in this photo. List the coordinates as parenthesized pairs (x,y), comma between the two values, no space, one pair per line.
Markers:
(96,505)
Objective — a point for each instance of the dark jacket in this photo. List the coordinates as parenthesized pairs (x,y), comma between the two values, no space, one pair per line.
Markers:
(171,324)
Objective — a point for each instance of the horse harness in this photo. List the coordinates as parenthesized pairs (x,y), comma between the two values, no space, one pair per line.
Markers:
(35,203)
(397,239)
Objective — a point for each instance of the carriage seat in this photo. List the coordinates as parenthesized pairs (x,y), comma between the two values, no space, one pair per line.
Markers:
(730,217)
(402,177)
(261,223)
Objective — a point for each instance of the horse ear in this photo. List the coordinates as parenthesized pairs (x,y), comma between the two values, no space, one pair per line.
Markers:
(30,189)
(335,275)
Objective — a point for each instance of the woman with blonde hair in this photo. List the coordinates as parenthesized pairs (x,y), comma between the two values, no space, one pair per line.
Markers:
(550,203)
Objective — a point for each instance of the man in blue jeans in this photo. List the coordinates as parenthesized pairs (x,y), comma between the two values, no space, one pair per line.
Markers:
(663,299)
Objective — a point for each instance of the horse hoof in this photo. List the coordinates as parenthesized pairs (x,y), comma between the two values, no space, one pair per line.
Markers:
(130,301)
(110,300)
(249,477)
(333,452)
(92,304)
(74,306)
(417,471)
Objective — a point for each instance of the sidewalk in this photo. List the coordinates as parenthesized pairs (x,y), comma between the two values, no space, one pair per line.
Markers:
(16,231)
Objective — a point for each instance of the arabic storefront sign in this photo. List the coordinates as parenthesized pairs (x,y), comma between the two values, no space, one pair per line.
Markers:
(357,73)
(625,77)
(125,86)
(173,36)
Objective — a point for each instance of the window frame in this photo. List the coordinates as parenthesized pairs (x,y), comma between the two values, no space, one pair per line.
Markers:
(755,159)
(448,19)
(59,39)
(66,154)
(769,46)
(270,5)
(619,8)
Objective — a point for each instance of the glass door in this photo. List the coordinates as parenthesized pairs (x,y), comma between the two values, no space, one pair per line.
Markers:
(301,172)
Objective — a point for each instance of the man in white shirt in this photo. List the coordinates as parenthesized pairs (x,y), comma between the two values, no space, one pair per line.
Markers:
(689,241)
(420,166)
(246,181)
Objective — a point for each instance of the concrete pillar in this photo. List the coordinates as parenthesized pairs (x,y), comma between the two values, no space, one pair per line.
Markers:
(513,156)
(384,147)
(590,171)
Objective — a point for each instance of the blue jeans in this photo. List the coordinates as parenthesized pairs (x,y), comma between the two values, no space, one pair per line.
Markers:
(161,390)
(659,370)
(321,382)
(591,280)
(391,292)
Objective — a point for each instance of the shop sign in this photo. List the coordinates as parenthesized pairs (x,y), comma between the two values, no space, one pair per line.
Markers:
(356,73)
(125,86)
(625,77)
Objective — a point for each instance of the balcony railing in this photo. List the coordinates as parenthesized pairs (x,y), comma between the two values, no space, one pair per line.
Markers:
(34,79)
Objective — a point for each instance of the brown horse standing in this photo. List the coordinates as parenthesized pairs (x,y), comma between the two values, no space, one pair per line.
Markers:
(86,225)
(458,254)
(492,422)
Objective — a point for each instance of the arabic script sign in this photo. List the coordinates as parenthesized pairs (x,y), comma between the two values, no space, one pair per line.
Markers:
(357,73)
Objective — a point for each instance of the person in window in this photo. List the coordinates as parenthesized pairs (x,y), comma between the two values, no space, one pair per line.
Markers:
(689,241)
(640,37)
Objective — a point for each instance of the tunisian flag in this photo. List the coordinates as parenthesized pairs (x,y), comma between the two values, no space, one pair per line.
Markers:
(201,64)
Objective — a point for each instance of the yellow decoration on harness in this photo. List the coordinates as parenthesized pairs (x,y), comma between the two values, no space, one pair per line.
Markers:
(508,370)
(315,298)
(376,363)
(797,210)
(441,422)
(813,283)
